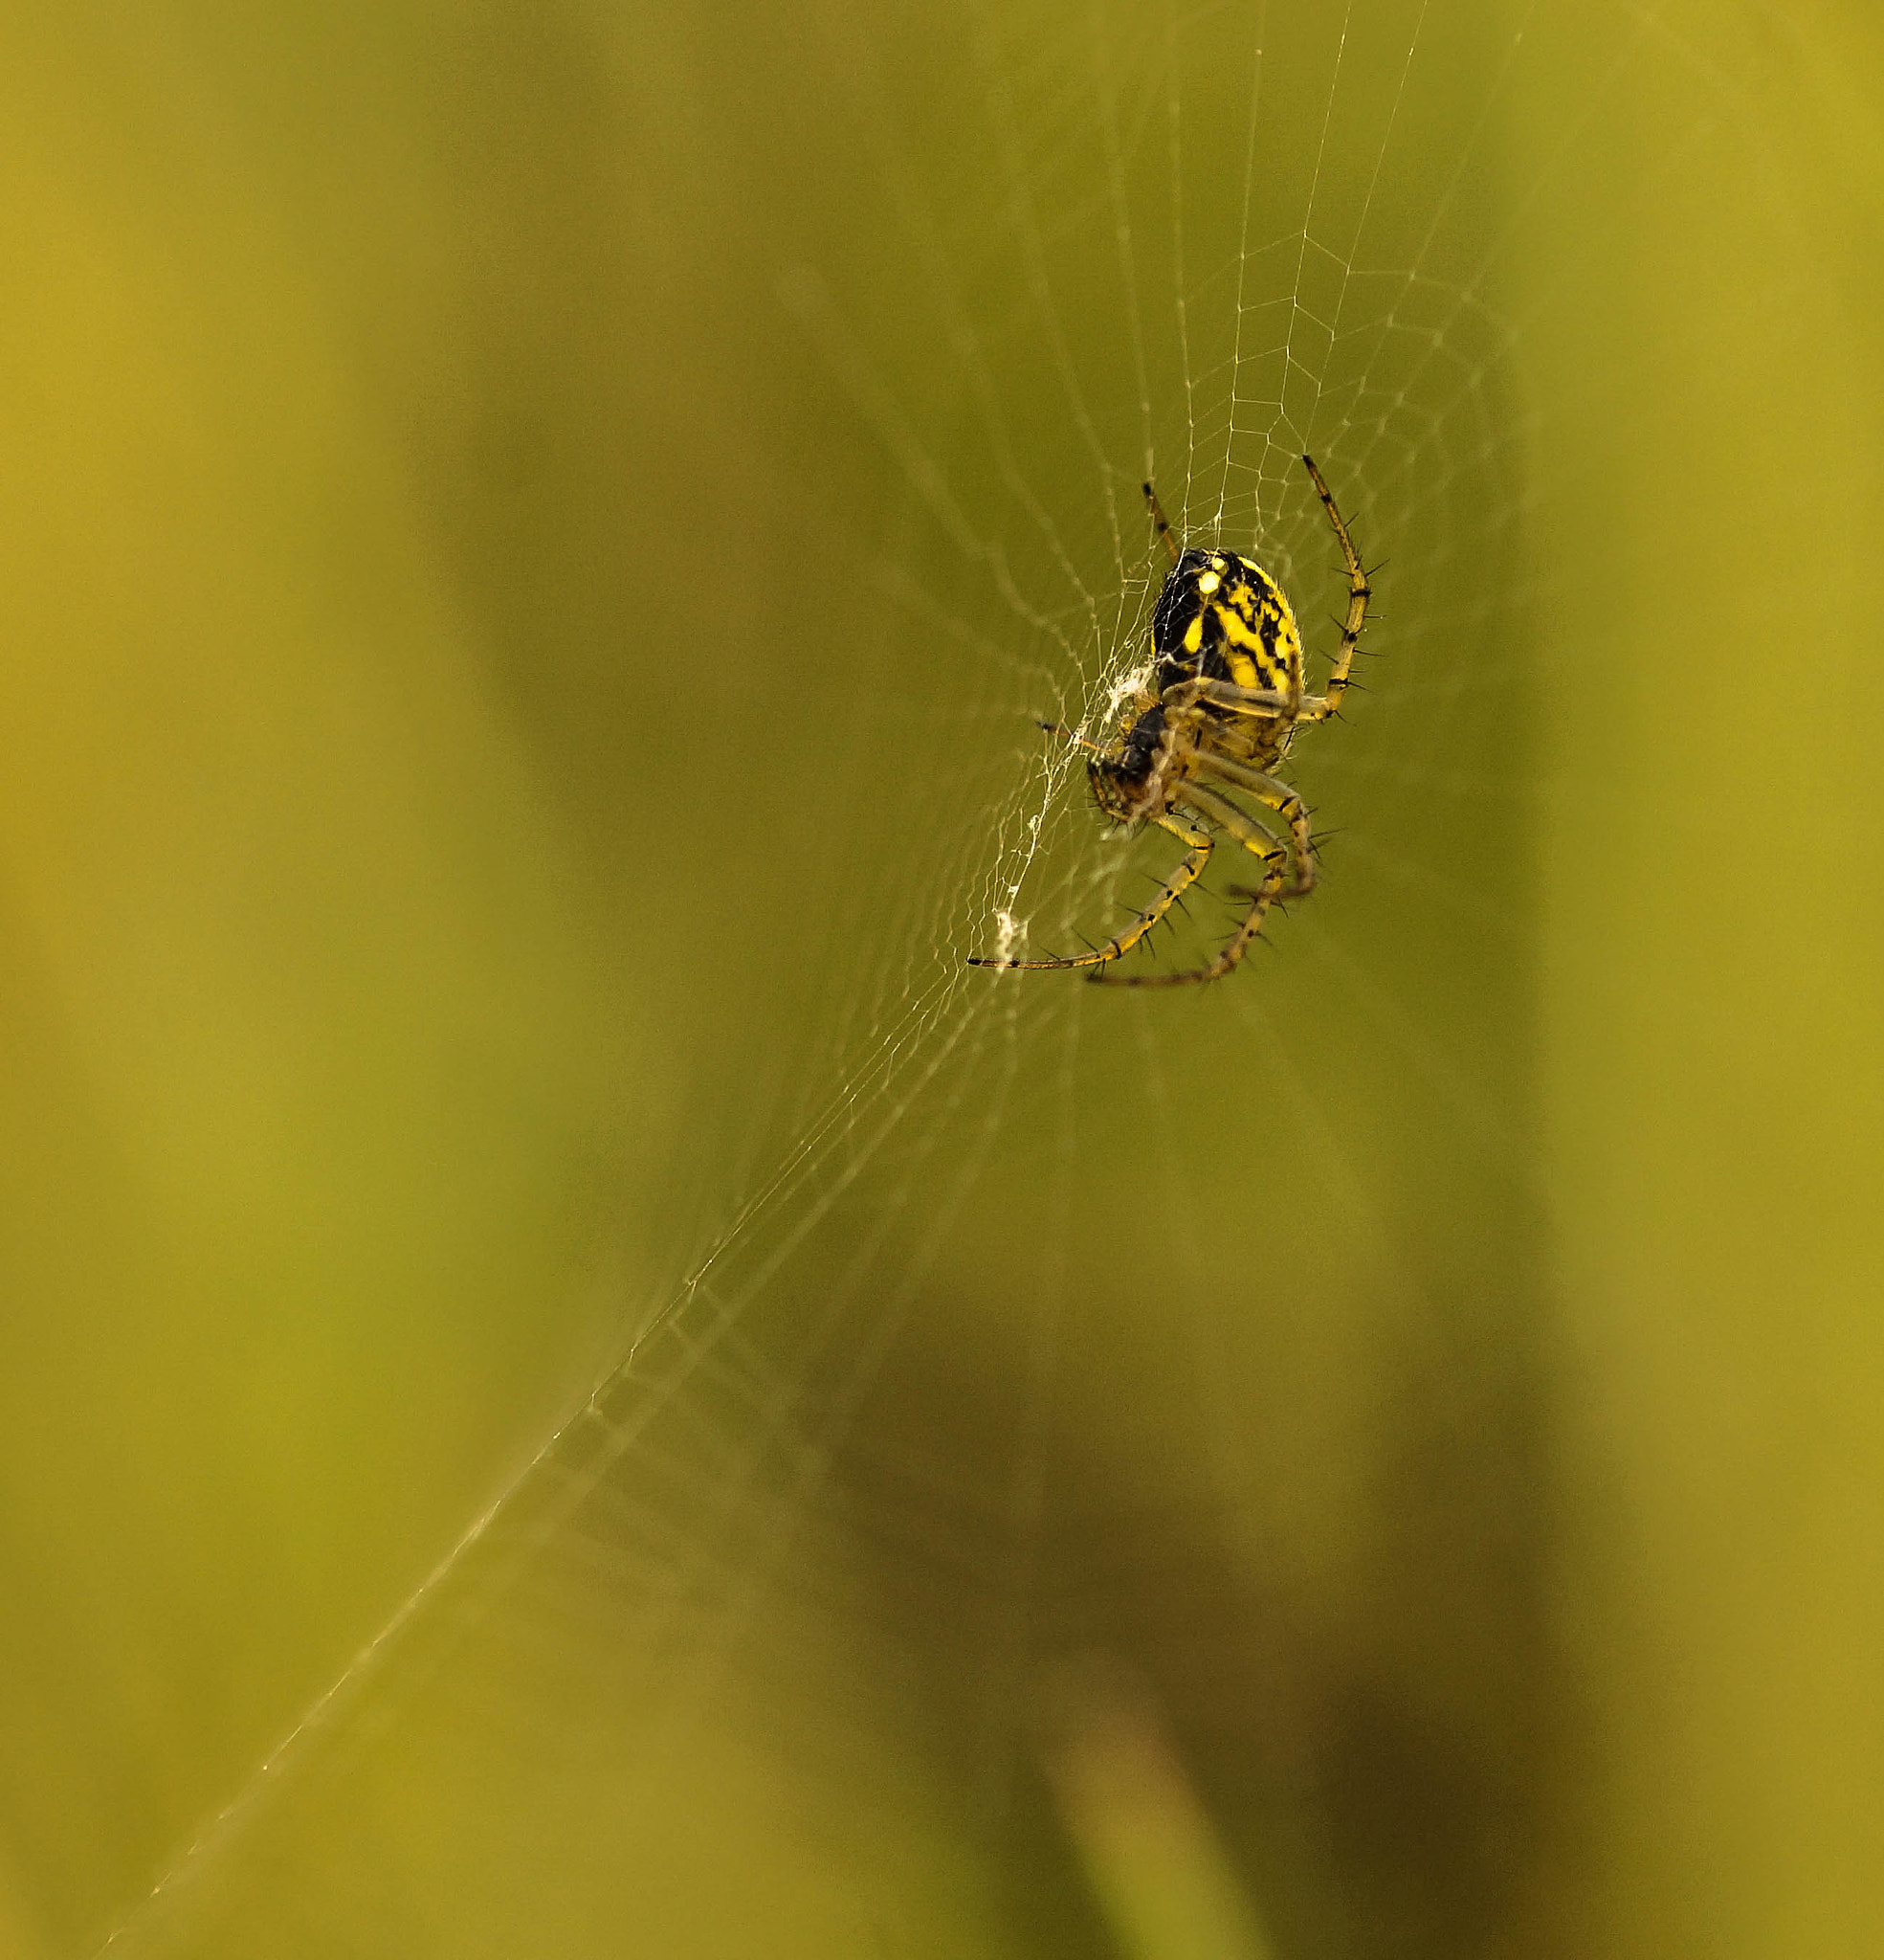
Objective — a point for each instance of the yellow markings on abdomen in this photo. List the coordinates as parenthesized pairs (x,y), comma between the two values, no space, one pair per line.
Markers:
(1250,662)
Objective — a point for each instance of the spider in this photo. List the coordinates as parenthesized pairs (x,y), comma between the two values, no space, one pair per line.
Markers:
(1217,715)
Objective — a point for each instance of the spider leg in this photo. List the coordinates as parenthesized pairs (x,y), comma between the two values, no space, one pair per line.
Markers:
(1067,734)
(1226,694)
(1174,887)
(1159,523)
(1281,799)
(1317,708)
(1253,838)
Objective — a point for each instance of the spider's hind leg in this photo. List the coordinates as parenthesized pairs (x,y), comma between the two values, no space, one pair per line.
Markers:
(1318,707)
(1161,524)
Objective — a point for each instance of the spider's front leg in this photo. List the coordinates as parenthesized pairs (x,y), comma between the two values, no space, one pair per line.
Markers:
(1253,838)
(1073,738)
(1174,887)
(1286,803)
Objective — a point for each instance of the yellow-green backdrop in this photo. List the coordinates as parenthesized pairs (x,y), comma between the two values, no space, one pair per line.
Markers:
(532,535)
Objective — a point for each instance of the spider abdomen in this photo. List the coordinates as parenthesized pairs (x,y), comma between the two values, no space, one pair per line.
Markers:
(1222,617)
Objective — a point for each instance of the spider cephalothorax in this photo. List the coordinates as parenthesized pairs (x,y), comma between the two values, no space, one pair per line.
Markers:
(1220,707)
(1132,784)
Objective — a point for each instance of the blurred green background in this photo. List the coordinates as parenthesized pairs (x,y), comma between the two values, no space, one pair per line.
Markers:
(533,536)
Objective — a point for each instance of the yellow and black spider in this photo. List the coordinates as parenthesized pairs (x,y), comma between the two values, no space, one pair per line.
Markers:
(1218,714)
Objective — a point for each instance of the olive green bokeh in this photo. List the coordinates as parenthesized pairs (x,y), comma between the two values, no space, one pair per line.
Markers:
(1714,1008)
(508,747)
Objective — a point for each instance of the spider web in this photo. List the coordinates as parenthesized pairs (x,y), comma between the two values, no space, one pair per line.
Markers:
(1027,1379)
